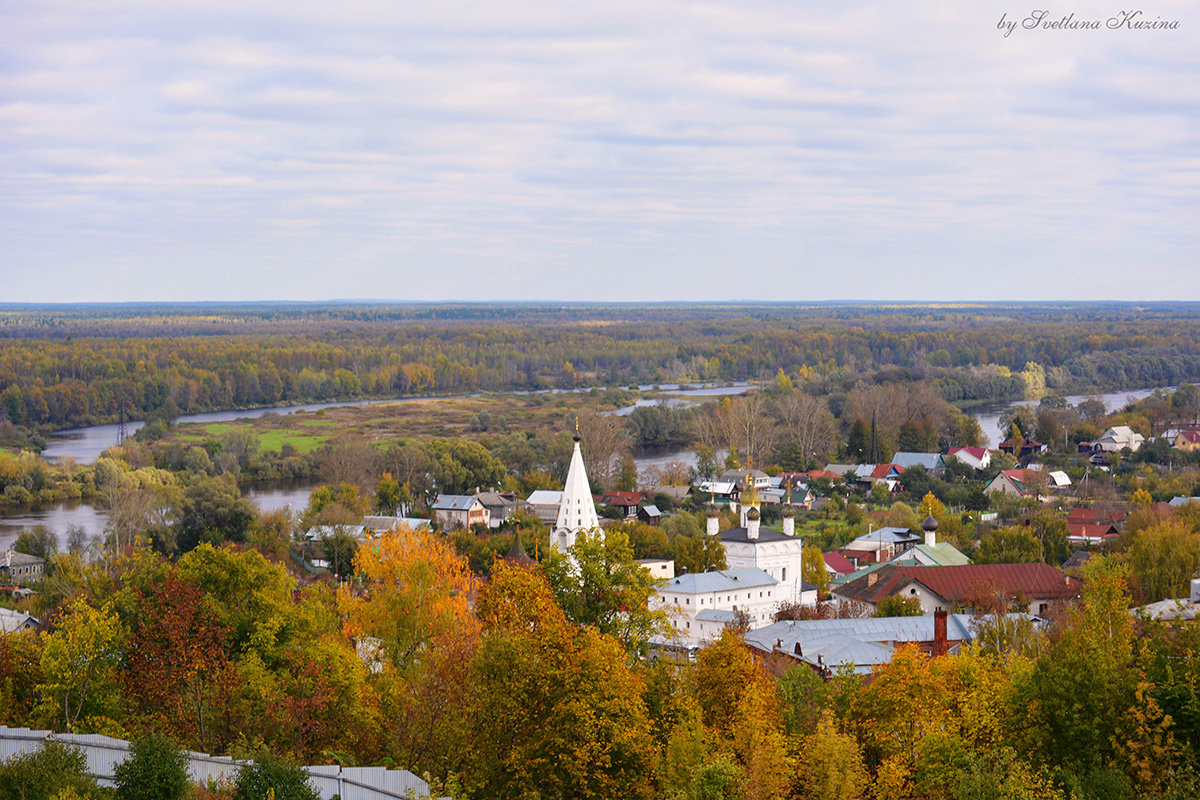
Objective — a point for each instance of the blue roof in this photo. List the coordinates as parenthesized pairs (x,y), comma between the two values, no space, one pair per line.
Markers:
(718,581)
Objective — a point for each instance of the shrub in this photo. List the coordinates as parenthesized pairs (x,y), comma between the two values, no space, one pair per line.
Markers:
(52,769)
(271,772)
(155,770)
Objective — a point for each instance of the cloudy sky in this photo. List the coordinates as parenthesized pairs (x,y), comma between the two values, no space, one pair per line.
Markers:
(578,150)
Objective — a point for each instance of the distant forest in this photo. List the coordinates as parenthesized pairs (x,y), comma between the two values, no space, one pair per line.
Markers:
(70,365)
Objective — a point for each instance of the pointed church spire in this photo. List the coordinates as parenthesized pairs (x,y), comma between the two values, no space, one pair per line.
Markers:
(577,511)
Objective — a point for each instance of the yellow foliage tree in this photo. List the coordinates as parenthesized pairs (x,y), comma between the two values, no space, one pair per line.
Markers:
(415,589)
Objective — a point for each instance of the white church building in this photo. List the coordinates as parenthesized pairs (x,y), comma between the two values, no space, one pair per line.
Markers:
(764,569)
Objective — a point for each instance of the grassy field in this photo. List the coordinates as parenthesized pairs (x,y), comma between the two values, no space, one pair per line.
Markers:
(421,418)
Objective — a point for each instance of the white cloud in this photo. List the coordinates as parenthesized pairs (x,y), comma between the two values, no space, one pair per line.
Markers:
(842,149)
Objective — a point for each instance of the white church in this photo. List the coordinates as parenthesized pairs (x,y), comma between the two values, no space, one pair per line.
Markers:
(577,509)
(765,568)
(764,565)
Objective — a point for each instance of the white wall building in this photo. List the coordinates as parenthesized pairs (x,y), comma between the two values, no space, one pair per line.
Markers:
(702,604)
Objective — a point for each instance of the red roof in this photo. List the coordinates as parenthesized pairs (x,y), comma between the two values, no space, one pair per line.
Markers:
(1094,515)
(1191,437)
(1091,531)
(975,452)
(1036,581)
(883,470)
(825,474)
(621,498)
(838,563)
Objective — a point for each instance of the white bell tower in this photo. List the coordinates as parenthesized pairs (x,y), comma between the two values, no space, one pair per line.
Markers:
(577,512)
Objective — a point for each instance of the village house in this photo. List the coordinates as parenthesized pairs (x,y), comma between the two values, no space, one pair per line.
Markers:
(1036,586)
(1186,440)
(459,511)
(545,504)
(626,502)
(1085,534)
(932,462)
(21,568)
(878,545)
(1117,438)
(500,506)
(831,645)
(1022,449)
(16,621)
(978,458)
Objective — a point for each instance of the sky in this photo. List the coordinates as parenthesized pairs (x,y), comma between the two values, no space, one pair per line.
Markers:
(585,151)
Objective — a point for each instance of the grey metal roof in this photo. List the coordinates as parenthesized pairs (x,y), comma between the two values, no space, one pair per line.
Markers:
(454,502)
(930,461)
(886,535)
(765,534)
(11,621)
(871,629)
(718,581)
(652,511)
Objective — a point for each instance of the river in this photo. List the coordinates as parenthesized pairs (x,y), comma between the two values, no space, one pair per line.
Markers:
(84,445)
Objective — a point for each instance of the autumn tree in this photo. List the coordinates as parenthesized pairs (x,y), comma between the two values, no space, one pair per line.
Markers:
(79,662)
(605,441)
(808,422)
(557,711)
(1163,558)
(415,588)
(175,660)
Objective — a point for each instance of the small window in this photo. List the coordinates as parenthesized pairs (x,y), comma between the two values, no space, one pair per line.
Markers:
(689,626)
(784,574)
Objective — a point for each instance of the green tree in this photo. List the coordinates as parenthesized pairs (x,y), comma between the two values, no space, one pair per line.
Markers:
(1012,545)
(39,541)
(340,548)
(156,769)
(213,511)
(598,583)
(896,606)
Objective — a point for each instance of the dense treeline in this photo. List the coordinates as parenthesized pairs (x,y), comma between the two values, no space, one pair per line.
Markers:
(65,366)
(539,686)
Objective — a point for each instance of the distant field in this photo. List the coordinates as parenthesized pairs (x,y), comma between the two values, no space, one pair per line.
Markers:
(422,418)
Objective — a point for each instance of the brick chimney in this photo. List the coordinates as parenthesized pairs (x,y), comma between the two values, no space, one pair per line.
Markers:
(939,633)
